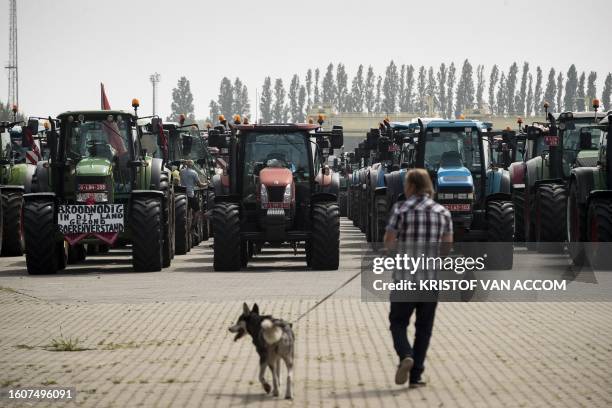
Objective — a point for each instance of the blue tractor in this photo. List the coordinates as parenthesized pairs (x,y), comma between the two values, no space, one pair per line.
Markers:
(456,153)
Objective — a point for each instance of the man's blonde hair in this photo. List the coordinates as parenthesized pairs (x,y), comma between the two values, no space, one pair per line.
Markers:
(419,181)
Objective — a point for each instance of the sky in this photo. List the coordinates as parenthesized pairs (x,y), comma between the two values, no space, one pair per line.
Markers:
(67,47)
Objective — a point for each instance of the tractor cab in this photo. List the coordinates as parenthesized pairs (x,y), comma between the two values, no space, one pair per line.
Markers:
(579,147)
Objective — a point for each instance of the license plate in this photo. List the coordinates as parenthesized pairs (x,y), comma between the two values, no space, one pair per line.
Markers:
(458,207)
(276,205)
(90,219)
(551,140)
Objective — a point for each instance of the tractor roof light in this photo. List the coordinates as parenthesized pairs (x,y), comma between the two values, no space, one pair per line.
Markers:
(46,125)
(221,118)
(245,120)
(596,103)
(321,119)
(181,119)
(519,120)
(135,103)
(15,108)
(237,119)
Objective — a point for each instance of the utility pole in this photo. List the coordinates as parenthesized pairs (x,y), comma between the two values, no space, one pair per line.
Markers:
(13,78)
(154,81)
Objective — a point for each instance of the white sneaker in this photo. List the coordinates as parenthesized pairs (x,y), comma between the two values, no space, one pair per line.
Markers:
(401,375)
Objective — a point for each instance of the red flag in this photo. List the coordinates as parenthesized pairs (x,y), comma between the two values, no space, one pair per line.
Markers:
(104,105)
(30,139)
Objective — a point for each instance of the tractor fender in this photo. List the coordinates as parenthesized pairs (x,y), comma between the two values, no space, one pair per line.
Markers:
(147,193)
(42,177)
(499,196)
(517,173)
(584,180)
(39,196)
(607,194)
(227,199)
(11,189)
(322,197)
(333,187)
(533,170)
(498,181)
(180,189)
(218,186)
(380,191)
(157,166)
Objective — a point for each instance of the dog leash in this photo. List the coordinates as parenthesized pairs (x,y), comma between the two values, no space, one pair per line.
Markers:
(313,307)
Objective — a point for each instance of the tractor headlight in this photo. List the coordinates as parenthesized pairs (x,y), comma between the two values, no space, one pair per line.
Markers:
(263,196)
(287,195)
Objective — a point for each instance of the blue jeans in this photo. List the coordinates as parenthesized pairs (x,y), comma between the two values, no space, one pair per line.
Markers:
(399,317)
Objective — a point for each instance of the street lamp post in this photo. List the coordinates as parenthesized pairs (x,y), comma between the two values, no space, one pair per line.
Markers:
(154,81)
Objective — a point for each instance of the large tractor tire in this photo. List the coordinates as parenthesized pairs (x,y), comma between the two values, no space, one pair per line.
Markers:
(363,213)
(381,210)
(349,203)
(518,201)
(342,203)
(207,214)
(12,230)
(576,228)
(227,248)
(181,212)
(42,247)
(146,225)
(500,232)
(325,239)
(529,220)
(600,232)
(550,217)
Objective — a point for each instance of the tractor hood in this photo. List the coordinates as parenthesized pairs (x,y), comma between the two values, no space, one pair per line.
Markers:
(449,177)
(94,166)
(273,176)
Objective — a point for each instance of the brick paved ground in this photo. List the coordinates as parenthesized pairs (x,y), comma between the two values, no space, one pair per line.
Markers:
(157,340)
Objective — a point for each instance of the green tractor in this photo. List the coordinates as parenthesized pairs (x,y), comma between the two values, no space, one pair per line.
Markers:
(546,176)
(19,150)
(589,202)
(98,188)
(186,142)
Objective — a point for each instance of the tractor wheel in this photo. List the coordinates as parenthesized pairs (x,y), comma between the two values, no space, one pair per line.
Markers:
(500,231)
(576,228)
(181,224)
(244,254)
(168,220)
(76,254)
(550,217)
(42,253)
(12,230)
(62,250)
(342,203)
(518,200)
(308,250)
(369,222)
(528,221)
(349,202)
(381,210)
(226,223)
(325,239)
(600,232)
(147,230)
(363,214)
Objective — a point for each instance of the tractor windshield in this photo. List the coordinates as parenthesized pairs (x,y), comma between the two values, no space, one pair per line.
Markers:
(288,150)
(571,139)
(107,138)
(452,148)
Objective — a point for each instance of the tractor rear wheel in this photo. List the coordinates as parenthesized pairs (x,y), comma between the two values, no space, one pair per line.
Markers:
(42,253)
(342,203)
(12,230)
(576,228)
(518,200)
(181,224)
(550,217)
(146,225)
(500,230)
(227,246)
(600,232)
(381,210)
(325,238)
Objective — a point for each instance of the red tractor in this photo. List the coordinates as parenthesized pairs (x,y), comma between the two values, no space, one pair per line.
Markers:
(276,189)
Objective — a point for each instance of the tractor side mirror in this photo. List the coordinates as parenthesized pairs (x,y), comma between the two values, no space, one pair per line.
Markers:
(33,125)
(585,139)
(52,143)
(337,137)
(156,124)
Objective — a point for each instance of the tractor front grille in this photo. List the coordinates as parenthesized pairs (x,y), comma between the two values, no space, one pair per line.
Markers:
(275,193)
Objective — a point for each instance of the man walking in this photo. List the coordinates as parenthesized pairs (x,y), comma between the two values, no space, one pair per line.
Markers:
(190,179)
(417,221)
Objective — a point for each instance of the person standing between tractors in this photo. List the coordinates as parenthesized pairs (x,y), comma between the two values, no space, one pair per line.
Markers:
(190,179)
(417,222)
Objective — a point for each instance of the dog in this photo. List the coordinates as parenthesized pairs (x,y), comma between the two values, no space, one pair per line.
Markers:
(273,340)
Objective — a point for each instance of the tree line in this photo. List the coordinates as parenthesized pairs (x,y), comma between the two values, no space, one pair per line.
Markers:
(446,91)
